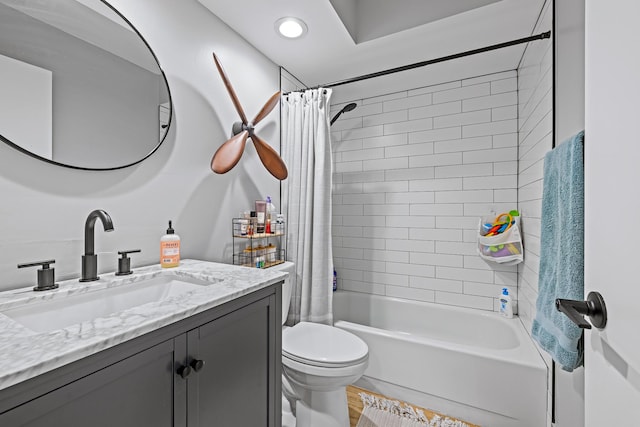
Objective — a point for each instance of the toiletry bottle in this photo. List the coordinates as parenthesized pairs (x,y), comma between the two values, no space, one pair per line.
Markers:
(261,212)
(280,224)
(243,222)
(335,280)
(267,220)
(244,226)
(271,253)
(253,219)
(506,306)
(170,249)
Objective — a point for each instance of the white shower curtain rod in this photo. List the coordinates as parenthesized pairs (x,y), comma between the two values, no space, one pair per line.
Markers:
(540,36)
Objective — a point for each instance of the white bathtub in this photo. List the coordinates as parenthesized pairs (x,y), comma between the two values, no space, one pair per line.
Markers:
(467,363)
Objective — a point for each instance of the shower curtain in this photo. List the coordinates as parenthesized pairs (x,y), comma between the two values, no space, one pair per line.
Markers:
(306,201)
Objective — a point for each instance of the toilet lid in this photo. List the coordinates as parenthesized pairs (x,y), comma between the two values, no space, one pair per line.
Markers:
(322,345)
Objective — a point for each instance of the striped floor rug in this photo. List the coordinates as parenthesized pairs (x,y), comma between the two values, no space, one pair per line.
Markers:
(379,411)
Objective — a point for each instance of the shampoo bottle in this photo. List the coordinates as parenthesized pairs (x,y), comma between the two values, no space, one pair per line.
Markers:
(269,212)
(170,249)
(506,305)
(335,280)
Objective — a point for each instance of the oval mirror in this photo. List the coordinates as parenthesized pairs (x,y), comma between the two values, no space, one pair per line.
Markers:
(80,86)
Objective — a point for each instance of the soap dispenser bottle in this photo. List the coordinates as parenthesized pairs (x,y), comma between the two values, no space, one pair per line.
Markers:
(506,305)
(170,249)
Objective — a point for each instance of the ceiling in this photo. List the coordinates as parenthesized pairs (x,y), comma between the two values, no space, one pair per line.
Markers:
(369,19)
(348,38)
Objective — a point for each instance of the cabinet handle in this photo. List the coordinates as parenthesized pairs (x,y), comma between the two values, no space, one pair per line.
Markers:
(197,365)
(184,371)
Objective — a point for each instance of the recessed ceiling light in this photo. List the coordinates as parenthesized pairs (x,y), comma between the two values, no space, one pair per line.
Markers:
(291,28)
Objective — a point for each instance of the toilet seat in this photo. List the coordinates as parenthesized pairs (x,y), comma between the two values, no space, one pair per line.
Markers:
(323,372)
(322,346)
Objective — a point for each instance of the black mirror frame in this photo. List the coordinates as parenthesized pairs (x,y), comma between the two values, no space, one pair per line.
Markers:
(167,126)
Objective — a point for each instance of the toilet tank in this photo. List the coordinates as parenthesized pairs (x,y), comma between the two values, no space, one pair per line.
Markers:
(287,286)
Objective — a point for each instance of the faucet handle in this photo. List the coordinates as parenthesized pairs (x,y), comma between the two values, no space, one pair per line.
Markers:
(124,262)
(46,275)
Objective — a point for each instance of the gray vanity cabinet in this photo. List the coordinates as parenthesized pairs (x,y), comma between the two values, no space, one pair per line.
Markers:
(231,387)
(217,368)
(137,391)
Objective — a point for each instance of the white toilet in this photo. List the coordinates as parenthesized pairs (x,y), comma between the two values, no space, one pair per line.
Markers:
(318,362)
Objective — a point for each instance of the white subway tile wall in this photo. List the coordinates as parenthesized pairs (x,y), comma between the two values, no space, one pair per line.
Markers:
(413,172)
(535,140)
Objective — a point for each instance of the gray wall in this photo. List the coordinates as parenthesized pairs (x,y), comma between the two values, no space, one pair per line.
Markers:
(44,207)
(289,82)
(569,69)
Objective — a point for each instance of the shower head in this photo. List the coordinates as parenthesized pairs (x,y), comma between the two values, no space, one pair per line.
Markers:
(348,107)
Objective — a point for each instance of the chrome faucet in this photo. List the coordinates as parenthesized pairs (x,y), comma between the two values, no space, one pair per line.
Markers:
(90,259)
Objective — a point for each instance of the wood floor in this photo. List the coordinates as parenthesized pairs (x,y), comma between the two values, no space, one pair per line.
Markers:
(356,406)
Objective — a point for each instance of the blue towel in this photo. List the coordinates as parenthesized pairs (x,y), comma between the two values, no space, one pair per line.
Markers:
(562,252)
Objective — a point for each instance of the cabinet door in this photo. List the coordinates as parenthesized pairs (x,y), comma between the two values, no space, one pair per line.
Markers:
(239,384)
(135,392)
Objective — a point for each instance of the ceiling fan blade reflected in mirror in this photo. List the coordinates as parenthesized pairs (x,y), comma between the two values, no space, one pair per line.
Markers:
(270,158)
(268,106)
(229,153)
(232,93)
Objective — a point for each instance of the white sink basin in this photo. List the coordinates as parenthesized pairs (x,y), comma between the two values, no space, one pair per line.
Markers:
(51,315)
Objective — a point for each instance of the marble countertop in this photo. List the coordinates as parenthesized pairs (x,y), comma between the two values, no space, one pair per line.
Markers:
(25,354)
